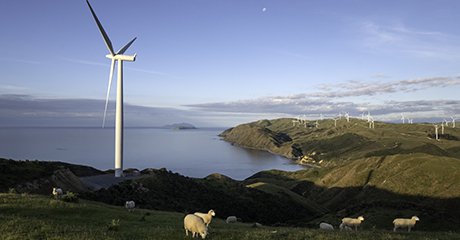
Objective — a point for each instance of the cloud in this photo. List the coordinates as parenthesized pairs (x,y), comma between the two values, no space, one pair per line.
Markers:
(330,100)
(27,61)
(398,38)
(26,110)
(107,65)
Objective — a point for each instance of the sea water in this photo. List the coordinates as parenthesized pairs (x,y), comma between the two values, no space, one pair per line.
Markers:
(194,153)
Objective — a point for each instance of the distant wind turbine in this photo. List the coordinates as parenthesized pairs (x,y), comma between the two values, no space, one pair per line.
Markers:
(436,131)
(335,121)
(120,57)
(446,122)
(453,121)
(403,118)
(442,128)
(347,116)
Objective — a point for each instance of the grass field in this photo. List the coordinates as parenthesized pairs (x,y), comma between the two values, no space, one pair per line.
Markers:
(24,216)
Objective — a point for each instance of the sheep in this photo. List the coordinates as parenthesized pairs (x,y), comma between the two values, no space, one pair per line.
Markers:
(352,222)
(343,227)
(231,219)
(405,223)
(195,225)
(326,226)
(207,217)
(130,205)
(57,193)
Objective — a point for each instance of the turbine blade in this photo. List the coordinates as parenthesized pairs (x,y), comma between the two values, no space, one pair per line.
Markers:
(107,41)
(123,49)
(112,66)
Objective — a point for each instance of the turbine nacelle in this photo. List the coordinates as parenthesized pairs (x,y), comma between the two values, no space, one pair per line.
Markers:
(121,57)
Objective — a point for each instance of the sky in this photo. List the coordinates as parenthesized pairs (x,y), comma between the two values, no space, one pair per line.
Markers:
(222,63)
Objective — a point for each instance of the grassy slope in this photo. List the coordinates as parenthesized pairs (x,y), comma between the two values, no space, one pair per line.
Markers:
(349,140)
(39,217)
(14,172)
(391,171)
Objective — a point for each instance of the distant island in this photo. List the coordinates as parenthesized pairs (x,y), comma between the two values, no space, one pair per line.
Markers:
(180,126)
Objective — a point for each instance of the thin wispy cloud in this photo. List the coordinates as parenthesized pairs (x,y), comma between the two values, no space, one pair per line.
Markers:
(86,62)
(291,54)
(26,61)
(398,38)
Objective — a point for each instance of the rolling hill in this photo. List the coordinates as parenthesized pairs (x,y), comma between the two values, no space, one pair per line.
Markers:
(394,170)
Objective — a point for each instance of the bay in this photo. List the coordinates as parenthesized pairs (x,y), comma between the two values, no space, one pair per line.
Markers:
(194,153)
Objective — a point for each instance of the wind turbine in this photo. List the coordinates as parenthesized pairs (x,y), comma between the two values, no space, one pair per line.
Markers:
(347,116)
(403,118)
(120,57)
(436,131)
(446,122)
(335,121)
(442,128)
(370,119)
(453,121)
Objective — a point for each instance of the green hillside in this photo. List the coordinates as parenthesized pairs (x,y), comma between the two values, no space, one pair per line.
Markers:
(24,216)
(347,140)
(394,170)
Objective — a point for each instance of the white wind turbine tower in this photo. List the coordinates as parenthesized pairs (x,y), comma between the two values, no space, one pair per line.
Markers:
(442,128)
(403,118)
(436,131)
(371,122)
(347,116)
(294,121)
(120,57)
(453,121)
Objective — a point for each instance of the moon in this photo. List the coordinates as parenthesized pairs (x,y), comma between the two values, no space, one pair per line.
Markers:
(264,9)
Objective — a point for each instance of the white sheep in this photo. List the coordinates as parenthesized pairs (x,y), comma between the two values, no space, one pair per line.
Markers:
(405,223)
(207,217)
(326,226)
(231,219)
(130,205)
(352,222)
(346,228)
(195,225)
(57,193)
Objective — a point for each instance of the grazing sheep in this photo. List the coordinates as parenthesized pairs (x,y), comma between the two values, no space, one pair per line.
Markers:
(352,222)
(195,225)
(130,205)
(346,228)
(405,223)
(57,193)
(326,226)
(207,217)
(231,219)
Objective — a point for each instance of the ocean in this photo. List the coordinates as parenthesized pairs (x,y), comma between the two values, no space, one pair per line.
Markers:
(193,153)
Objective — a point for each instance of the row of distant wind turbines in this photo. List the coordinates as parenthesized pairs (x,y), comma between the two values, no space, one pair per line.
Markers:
(302,120)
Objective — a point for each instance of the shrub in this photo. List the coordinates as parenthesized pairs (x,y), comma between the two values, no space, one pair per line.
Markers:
(114,225)
(70,197)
